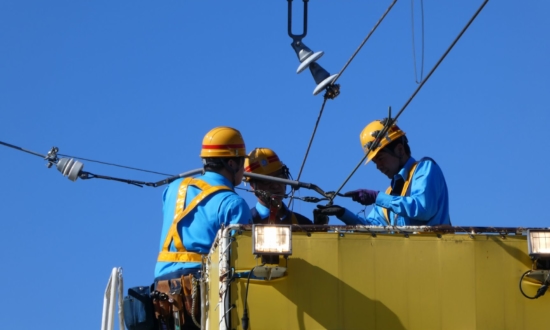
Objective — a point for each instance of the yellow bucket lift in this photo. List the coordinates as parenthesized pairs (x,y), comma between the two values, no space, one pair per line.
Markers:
(341,277)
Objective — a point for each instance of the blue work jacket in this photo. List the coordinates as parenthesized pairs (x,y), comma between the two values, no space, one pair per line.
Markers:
(199,227)
(425,203)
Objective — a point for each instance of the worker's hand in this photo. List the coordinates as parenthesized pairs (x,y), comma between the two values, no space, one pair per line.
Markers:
(331,210)
(363,196)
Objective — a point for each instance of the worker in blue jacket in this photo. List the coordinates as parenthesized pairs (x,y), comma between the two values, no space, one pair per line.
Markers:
(196,208)
(417,195)
(270,207)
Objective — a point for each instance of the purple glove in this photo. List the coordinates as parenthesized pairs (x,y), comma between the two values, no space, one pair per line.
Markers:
(363,196)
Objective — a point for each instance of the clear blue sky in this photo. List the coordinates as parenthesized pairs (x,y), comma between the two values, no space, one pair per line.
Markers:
(139,83)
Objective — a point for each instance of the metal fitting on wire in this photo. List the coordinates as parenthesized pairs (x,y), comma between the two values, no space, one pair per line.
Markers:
(308,58)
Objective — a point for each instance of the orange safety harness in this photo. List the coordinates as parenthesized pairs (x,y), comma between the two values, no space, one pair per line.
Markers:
(404,192)
(182,255)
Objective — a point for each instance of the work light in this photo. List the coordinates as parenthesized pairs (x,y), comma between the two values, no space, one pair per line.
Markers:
(272,240)
(538,243)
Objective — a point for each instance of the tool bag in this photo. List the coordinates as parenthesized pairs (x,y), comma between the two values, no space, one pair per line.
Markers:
(138,309)
(173,303)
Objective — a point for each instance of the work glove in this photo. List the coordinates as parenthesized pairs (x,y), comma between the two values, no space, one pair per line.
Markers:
(363,196)
(331,210)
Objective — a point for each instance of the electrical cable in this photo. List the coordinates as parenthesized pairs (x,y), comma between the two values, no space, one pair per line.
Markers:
(540,292)
(244,319)
(228,310)
(308,148)
(391,120)
(326,96)
(111,164)
(364,41)
(24,150)
(413,43)
(52,158)
(86,159)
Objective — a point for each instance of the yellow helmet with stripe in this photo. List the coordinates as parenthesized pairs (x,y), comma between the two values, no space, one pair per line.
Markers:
(263,161)
(223,142)
(370,132)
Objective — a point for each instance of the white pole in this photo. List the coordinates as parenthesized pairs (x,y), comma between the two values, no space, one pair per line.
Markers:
(224,271)
(105,313)
(109,301)
(112,299)
(120,299)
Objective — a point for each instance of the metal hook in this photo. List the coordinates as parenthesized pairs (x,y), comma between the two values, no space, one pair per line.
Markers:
(297,37)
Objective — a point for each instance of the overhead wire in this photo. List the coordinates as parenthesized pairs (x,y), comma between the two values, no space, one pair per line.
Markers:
(364,41)
(308,148)
(87,175)
(81,158)
(413,41)
(24,150)
(391,120)
(326,96)
(111,164)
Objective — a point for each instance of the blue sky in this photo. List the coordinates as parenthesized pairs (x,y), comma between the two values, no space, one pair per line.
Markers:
(139,83)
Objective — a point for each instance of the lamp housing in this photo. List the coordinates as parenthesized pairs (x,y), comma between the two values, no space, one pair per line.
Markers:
(272,239)
(538,243)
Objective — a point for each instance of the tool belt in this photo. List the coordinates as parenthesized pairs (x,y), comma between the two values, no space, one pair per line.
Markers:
(173,302)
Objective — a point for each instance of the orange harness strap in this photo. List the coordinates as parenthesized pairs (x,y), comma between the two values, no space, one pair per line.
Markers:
(403,192)
(179,213)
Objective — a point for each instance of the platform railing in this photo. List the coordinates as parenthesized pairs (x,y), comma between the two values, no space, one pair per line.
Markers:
(114,286)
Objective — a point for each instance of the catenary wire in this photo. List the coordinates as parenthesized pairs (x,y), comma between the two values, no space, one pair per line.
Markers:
(391,121)
(364,41)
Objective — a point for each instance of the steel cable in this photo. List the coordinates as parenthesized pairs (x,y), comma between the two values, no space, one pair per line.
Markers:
(307,150)
(364,41)
(391,121)
(111,164)
(24,150)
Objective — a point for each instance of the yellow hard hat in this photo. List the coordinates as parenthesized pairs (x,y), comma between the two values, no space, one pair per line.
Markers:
(262,161)
(223,142)
(369,133)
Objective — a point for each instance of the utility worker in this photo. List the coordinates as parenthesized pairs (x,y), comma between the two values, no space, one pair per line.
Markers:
(195,209)
(417,195)
(270,194)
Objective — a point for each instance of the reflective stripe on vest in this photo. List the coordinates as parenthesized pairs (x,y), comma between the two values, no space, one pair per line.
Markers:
(179,213)
(404,192)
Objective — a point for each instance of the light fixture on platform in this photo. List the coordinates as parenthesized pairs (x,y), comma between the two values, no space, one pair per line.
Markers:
(538,246)
(269,242)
